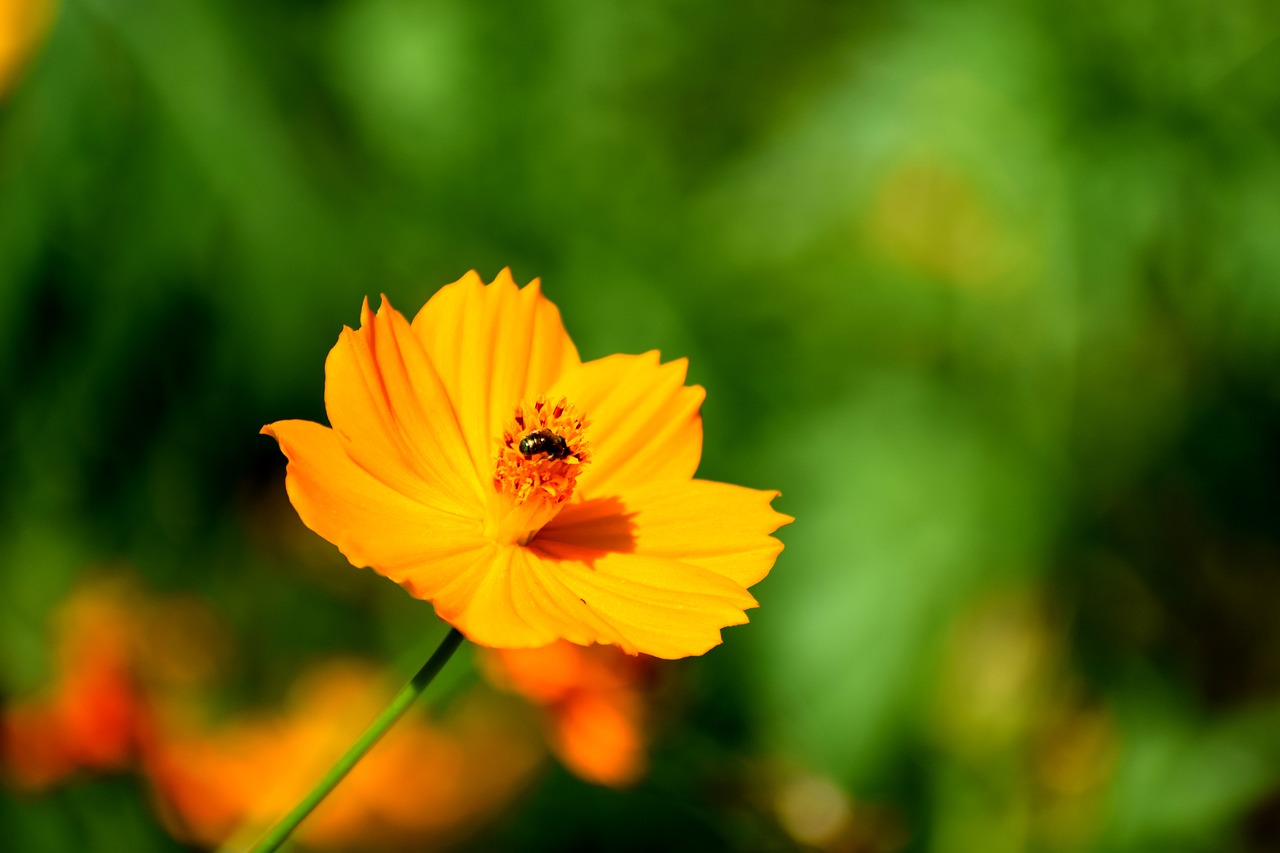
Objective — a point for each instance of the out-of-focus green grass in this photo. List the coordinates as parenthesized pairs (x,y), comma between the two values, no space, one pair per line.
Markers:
(989,290)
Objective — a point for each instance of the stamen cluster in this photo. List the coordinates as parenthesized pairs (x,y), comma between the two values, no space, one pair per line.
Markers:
(547,474)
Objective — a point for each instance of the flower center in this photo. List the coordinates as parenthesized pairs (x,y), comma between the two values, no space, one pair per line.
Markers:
(540,454)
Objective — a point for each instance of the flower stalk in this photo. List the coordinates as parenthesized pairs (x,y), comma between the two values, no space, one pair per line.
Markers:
(394,711)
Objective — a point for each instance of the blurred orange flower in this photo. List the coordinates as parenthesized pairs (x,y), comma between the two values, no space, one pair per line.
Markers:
(424,780)
(130,695)
(595,708)
(478,462)
(94,715)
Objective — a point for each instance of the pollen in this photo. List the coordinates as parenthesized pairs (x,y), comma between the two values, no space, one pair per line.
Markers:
(541,452)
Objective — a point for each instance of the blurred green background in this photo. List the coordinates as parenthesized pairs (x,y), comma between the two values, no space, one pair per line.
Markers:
(989,290)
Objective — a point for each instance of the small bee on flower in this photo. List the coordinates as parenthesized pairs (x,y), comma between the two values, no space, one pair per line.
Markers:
(539,441)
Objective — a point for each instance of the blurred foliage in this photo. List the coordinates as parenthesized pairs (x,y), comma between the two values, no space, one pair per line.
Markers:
(988,289)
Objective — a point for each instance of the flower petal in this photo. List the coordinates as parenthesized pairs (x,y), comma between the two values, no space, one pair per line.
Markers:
(371,523)
(659,607)
(644,425)
(509,602)
(525,597)
(493,347)
(715,526)
(394,418)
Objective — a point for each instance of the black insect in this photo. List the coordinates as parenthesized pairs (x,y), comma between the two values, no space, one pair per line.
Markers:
(541,441)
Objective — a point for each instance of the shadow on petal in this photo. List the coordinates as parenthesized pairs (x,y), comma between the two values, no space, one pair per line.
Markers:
(595,528)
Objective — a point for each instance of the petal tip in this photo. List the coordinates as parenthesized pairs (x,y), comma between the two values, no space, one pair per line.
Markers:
(781,519)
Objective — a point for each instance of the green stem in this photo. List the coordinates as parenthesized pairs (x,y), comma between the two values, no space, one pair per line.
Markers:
(411,691)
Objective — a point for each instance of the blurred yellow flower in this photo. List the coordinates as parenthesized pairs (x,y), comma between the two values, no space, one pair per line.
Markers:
(23,24)
(478,462)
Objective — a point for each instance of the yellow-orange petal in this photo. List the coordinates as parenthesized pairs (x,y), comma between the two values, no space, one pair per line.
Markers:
(645,424)
(648,605)
(394,418)
(716,526)
(482,603)
(506,600)
(370,522)
(516,596)
(493,347)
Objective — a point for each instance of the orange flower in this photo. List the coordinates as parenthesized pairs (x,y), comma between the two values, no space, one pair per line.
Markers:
(594,708)
(478,462)
(426,780)
(94,717)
